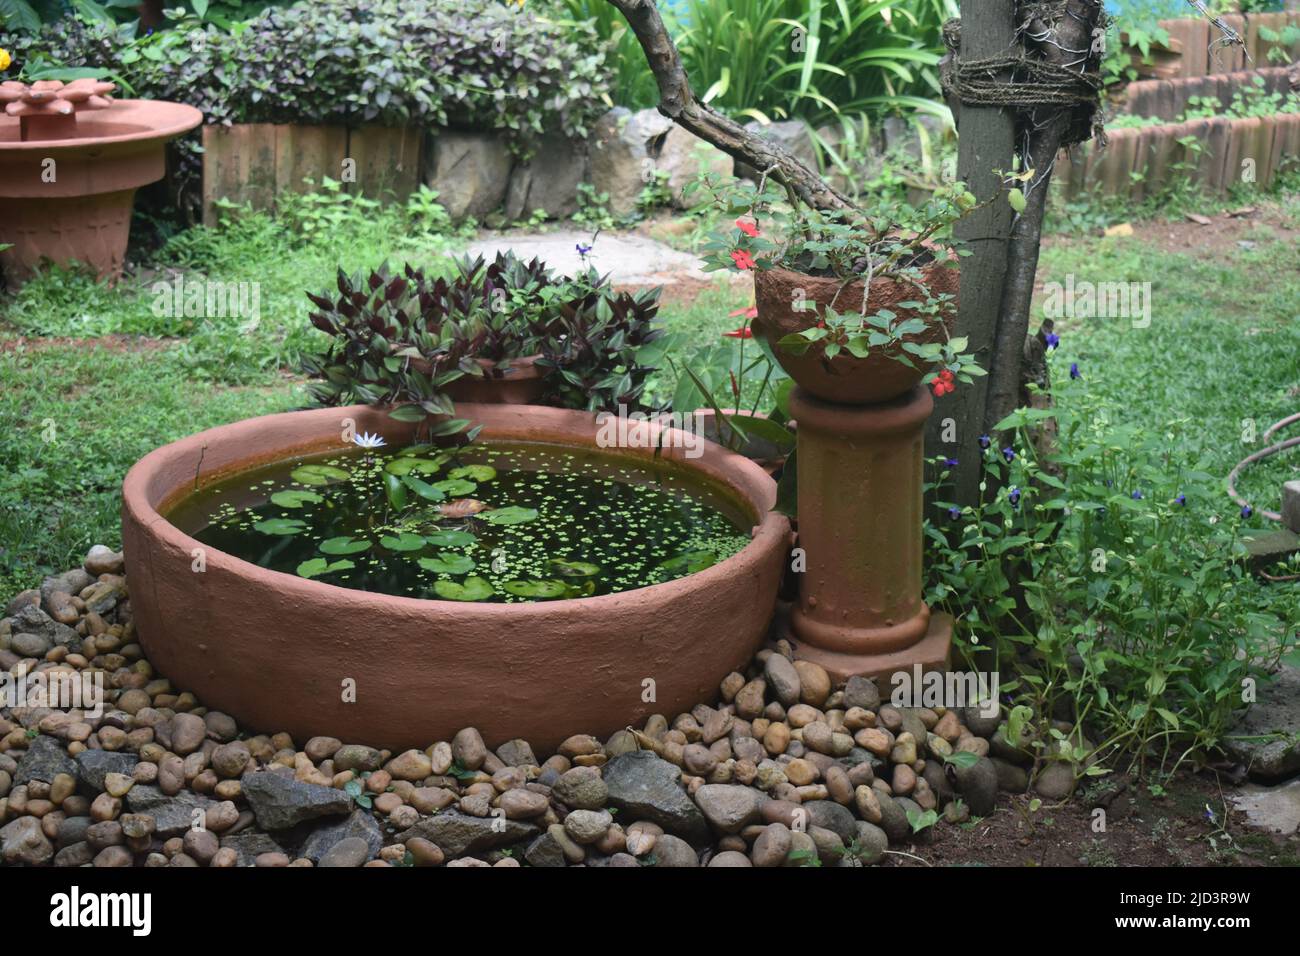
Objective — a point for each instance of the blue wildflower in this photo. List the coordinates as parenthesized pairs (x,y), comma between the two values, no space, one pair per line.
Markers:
(1074,371)
(1247,511)
(1014,497)
(985,442)
(950,463)
(1182,500)
(1053,340)
(1009,454)
(584,250)
(1136,496)
(954,512)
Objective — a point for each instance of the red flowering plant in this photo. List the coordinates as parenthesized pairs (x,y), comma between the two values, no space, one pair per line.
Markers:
(766,227)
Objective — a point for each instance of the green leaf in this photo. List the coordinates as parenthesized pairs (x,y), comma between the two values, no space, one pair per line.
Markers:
(408,413)
(343,545)
(1017,200)
(512,514)
(546,590)
(315,567)
(473,589)
(455,487)
(395,491)
(281,526)
(689,562)
(295,498)
(423,488)
(318,474)
(473,472)
(451,539)
(962,758)
(448,562)
(574,569)
(403,542)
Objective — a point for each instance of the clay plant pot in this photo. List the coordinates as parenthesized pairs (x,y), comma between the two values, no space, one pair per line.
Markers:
(274,649)
(522,383)
(69,199)
(844,380)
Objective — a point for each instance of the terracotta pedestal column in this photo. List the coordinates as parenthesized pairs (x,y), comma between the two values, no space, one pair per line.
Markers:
(860,474)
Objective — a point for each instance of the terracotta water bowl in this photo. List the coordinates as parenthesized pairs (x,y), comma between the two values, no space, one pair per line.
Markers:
(278,652)
(521,383)
(844,379)
(71,160)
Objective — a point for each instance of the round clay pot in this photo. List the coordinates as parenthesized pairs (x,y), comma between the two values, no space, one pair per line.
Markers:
(276,651)
(844,380)
(521,384)
(83,214)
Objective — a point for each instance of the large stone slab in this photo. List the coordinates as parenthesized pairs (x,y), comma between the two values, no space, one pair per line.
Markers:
(624,146)
(630,260)
(1271,808)
(1267,739)
(172,815)
(548,181)
(325,836)
(45,759)
(280,802)
(470,171)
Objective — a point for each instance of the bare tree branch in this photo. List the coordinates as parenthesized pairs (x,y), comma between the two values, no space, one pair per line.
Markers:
(677,101)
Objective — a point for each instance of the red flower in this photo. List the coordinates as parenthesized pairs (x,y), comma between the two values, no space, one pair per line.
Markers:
(750,313)
(946,376)
(748,228)
(742,259)
(744,332)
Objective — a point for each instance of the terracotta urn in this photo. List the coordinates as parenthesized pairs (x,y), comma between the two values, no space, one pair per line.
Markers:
(71,160)
(860,458)
(791,302)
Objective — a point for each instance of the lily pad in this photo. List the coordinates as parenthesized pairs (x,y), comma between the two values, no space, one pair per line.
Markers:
(422,488)
(315,567)
(318,474)
(423,466)
(344,545)
(455,487)
(473,472)
(448,562)
(537,589)
(295,498)
(473,589)
(395,491)
(511,514)
(403,542)
(281,526)
(689,562)
(451,539)
(574,569)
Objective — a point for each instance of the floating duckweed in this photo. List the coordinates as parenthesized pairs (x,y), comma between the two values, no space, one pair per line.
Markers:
(544,523)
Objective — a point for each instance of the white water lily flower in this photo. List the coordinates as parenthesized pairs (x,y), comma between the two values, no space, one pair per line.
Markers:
(368,441)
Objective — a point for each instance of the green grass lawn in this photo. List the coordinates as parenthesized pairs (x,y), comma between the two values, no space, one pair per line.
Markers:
(1223,346)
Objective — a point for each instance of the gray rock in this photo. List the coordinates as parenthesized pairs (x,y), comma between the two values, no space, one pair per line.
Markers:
(729,808)
(623,148)
(794,135)
(545,851)
(470,172)
(587,826)
(73,830)
(549,180)
(936,776)
(94,764)
(44,760)
(350,852)
(517,753)
(1274,722)
(861,692)
(980,725)
(831,816)
(685,158)
(74,854)
(1055,781)
(281,802)
(457,834)
(978,784)
(581,788)
(830,848)
(644,787)
(872,842)
(893,819)
(356,757)
(30,645)
(358,825)
(250,844)
(1011,778)
(783,679)
(32,620)
(172,815)
(1291,506)
(101,559)
(21,600)
(672,852)
(22,842)
(1272,808)
(69,582)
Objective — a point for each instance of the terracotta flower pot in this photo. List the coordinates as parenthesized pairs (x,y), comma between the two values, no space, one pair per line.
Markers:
(522,383)
(274,649)
(69,199)
(844,380)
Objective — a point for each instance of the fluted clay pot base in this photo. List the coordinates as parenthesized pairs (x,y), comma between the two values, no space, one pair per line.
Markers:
(931,652)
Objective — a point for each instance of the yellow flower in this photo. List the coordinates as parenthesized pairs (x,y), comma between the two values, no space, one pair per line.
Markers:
(5,59)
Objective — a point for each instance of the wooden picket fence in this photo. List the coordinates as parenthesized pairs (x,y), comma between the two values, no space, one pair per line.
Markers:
(256,162)
(1201,56)
(1168,99)
(1213,153)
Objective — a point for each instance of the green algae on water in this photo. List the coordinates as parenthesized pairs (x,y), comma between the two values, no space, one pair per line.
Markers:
(494,522)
